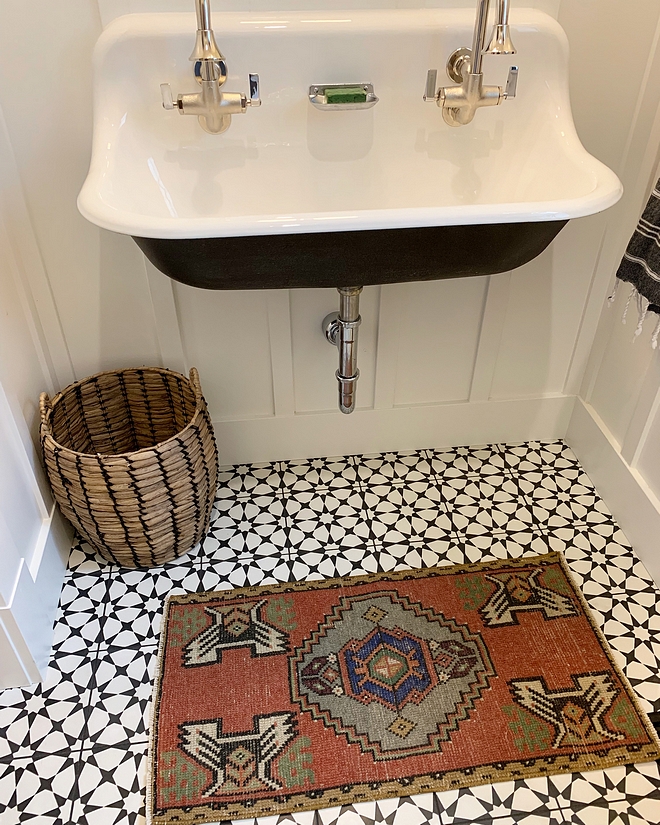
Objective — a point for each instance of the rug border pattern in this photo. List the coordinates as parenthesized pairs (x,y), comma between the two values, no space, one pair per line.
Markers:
(405,786)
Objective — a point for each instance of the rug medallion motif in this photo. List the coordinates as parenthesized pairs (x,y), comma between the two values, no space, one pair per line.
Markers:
(390,675)
(300,696)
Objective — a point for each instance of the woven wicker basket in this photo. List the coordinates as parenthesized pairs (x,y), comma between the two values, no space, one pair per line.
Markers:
(133,463)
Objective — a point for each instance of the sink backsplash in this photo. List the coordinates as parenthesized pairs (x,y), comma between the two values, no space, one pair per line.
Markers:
(116,8)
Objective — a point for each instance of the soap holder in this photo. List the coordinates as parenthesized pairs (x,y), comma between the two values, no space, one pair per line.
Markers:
(335,97)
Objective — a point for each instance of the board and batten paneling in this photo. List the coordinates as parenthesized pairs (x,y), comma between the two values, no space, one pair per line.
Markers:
(505,339)
(439,327)
(33,546)
(225,335)
(615,427)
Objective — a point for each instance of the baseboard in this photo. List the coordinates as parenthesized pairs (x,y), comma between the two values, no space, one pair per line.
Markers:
(27,622)
(633,504)
(402,428)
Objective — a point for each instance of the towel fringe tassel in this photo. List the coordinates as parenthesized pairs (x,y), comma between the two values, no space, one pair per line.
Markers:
(633,292)
(612,297)
(642,311)
(656,334)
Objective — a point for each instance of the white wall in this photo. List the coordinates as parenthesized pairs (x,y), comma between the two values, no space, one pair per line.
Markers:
(509,339)
(33,544)
(261,355)
(615,428)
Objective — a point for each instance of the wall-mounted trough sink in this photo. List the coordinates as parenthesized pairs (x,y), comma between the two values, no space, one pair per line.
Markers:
(295,196)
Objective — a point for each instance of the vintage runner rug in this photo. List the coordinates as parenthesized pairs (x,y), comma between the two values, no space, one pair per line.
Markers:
(301,696)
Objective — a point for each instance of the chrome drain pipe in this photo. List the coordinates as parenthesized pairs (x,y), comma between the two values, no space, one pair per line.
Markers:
(341,330)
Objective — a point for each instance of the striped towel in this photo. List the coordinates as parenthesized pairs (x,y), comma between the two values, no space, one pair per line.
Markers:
(640,265)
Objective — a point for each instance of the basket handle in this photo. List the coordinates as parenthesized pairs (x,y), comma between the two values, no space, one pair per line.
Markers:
(194,380)
(45,408)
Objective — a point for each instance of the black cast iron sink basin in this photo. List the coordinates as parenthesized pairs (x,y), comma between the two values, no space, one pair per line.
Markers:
(335,259)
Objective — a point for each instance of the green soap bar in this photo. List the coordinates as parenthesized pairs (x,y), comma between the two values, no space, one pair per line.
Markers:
(349,94)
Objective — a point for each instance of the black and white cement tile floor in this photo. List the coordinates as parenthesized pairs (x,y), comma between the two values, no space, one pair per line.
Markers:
(73,750)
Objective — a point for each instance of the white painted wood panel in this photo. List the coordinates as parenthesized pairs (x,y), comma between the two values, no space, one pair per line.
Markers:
(623,368)
(546,305)
(602,33)
(12,673)
(31,550)
(49,122)
(490,336)
(168,329)
(648,463)
(315,361)
(525,357)
(633,504)
(225,335)
(23,509)
(438,340)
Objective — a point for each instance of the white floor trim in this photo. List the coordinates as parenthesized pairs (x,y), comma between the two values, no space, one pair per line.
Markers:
(396,429)
(633,504)
(26,623)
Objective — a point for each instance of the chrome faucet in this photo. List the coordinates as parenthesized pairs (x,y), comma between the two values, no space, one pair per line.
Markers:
(213,107)
(460,103)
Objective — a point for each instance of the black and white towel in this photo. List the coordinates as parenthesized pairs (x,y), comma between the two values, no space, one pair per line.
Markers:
(640,265)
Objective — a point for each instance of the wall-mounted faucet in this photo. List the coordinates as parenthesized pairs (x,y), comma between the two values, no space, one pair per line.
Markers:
(213,107)
(460,103)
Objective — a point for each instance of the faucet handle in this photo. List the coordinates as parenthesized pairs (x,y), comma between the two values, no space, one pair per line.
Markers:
(431,80)
(167,96)
(511,83)
(253,81)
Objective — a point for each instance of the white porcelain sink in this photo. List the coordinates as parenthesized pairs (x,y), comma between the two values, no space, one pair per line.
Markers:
(287,168)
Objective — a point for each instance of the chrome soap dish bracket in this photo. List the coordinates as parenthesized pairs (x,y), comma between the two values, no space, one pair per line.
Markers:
(341,97)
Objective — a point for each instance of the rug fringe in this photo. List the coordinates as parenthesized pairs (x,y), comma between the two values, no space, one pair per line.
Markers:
(149,802)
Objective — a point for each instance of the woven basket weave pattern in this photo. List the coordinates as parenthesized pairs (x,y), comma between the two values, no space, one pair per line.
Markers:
(132,461)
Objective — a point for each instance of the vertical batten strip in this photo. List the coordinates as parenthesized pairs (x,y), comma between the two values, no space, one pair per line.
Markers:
(166,318)
(492,326)
(281,351)
(393,298)
(644,414)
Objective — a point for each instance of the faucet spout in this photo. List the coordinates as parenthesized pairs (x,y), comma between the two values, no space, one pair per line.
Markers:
(205,46)
(479,37)
(501,42)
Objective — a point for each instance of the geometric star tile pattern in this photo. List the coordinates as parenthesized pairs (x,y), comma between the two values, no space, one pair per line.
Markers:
(73,749)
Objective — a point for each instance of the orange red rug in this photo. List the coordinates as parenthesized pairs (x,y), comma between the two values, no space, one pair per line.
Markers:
(300,696)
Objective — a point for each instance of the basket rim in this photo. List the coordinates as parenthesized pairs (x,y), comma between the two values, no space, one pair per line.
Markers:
(199,402)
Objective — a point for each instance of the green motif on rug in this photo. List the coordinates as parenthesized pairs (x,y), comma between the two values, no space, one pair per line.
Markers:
(624,718)
(280,612)
(554,579)
(180,779)
(184,624)
(294,764)
(529,733)
(473,591)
